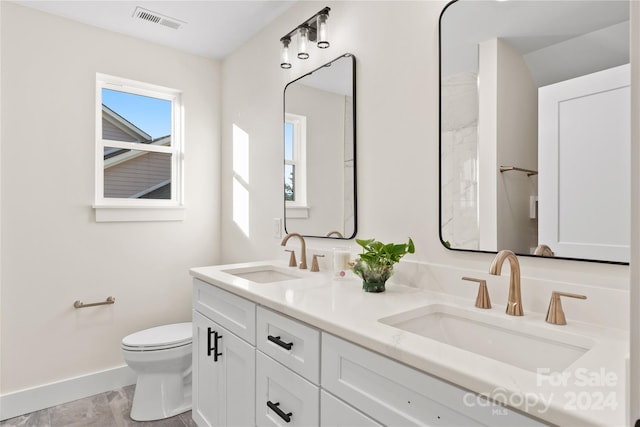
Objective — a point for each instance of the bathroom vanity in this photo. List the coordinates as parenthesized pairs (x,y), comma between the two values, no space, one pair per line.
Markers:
(275,345)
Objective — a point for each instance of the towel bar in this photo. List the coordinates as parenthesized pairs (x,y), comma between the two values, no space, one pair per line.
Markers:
(80,304)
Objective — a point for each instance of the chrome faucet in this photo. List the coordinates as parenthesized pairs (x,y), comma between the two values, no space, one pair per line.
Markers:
(303,249)
(514,305)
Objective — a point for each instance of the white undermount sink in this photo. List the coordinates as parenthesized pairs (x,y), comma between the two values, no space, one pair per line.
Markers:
(262,273)
(485,335)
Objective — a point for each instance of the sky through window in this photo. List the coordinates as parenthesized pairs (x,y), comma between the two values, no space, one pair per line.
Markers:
(152,115)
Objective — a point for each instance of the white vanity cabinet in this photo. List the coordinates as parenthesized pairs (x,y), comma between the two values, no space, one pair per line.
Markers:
(224,358)
(256,366)
(336,413)
(287,371)
(395,394)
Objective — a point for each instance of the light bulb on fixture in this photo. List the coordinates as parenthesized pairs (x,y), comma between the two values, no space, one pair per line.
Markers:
(303,42)
(322,31)
(285,62)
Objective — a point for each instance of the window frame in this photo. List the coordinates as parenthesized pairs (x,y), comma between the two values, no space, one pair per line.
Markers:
(299,161)
(134,209)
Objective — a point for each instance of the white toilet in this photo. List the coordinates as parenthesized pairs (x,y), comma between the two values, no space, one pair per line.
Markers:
(161,357)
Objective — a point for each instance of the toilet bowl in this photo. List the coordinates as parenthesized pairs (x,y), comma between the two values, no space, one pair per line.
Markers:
(161,359)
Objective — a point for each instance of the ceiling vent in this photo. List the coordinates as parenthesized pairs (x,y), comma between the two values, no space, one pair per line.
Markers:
(156,18)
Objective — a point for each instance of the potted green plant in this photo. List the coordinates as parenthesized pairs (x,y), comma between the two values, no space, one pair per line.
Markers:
(375,264)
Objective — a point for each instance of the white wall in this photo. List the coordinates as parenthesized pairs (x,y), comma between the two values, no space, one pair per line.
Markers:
(487,146)
(53,250)
(508,136)
(517,140)
(395,44)
(634,373)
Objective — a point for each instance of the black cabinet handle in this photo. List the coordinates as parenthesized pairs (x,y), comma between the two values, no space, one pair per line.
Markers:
(213,349)
(209,348)
(216,354)
(281,414)
(277,341)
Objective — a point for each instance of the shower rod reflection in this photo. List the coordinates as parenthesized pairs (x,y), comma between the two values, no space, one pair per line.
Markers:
(514,168)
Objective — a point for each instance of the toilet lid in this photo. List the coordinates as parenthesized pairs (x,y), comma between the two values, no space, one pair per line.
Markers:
(160,337)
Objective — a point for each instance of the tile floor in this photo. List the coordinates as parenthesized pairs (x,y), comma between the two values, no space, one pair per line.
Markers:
(110,409)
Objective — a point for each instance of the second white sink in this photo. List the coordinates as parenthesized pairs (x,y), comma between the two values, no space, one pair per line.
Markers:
(483,335)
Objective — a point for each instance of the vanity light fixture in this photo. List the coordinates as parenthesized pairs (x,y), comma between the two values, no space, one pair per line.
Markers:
(313,29)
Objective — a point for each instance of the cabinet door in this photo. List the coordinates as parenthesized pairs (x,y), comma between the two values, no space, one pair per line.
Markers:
(284,398)
(335,413)
(223,389)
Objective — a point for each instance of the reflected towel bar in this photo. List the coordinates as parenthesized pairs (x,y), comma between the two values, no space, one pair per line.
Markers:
(80,304)
(513,168)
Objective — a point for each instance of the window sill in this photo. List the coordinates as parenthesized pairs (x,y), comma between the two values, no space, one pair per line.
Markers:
(138,213)
(297,212)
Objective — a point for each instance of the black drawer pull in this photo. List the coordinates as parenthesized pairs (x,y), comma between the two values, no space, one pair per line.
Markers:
(281,414)
(213,349)
(277,341)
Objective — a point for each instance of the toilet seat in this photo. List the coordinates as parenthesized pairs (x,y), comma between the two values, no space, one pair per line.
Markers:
(159,338)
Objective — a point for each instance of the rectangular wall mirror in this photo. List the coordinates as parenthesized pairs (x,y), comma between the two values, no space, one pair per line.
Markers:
(320,150)
(535,128)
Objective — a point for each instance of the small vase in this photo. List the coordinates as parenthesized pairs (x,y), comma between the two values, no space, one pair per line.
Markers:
(372,286)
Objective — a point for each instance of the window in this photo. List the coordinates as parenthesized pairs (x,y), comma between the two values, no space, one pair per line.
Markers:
(138,151)
(295,131)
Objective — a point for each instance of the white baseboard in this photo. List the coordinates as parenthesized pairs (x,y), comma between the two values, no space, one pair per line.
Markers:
(48,395)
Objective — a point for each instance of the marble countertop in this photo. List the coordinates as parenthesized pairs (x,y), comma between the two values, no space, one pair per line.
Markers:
(591,391)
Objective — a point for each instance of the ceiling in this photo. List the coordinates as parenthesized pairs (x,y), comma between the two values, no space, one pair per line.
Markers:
(210,28)
(558,39)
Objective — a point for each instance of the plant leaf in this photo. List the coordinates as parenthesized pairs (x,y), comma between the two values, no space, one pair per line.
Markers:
(364,243)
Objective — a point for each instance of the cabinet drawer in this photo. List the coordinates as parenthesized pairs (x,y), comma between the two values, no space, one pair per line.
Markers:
(294,344)
(395,394)
(335,413)
(230,311)
(284,398)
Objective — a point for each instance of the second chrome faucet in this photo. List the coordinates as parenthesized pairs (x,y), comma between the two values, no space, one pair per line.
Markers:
(514,303)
